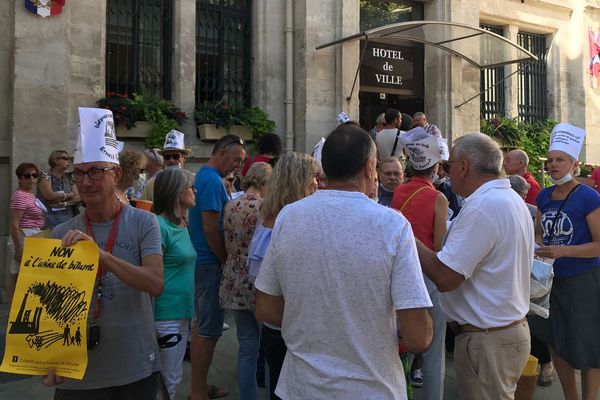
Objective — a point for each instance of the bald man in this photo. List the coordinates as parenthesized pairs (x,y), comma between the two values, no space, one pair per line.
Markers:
(515,163)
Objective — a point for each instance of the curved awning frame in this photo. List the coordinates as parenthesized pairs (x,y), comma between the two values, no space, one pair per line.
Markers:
(502,50)
(402,31)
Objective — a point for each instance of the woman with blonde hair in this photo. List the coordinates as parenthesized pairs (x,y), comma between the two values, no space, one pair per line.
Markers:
(237,290)
(294,177)
(132,163)
(57,190)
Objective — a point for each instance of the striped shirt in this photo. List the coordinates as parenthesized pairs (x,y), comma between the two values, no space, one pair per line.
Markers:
(33,216)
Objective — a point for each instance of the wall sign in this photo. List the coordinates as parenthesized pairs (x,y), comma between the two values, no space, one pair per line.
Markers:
(45,8)
(387,66)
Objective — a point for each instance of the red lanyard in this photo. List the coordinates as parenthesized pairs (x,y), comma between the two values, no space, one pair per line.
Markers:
(112,237)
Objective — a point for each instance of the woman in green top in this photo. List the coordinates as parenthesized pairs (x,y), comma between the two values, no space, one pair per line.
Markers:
(174,195)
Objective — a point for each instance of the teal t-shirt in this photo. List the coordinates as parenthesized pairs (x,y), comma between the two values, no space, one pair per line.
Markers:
(179,258)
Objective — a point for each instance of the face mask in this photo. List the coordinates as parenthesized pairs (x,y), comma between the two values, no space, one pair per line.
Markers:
(176,166)
(567,178)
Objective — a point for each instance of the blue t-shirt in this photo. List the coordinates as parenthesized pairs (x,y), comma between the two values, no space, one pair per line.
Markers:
(210,196)
(179,258)
(571,227)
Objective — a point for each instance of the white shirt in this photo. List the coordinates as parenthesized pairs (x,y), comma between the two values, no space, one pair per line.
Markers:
(490,243)
(385,143)
(343,264)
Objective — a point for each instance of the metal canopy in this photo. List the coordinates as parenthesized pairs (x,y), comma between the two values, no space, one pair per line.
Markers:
(479,47)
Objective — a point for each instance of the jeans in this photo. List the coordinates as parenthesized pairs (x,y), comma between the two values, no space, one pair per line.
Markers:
(248,335)
(275,349)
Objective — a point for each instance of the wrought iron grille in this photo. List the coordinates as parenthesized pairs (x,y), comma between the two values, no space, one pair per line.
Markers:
(223,38)
(533,101)
(138,46)
(493,102)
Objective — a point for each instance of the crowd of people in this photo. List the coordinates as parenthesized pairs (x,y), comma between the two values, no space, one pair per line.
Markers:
(335,268)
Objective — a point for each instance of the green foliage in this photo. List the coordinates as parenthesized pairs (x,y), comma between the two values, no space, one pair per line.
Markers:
(533,138)
(376,13)
(162,114)
(226,115)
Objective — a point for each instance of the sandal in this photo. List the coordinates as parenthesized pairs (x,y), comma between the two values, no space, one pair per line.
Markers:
(216,392)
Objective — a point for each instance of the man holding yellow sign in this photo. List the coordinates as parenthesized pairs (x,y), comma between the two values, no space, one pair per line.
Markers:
(122,348)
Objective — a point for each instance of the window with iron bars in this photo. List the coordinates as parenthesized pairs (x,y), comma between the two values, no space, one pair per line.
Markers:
(493,102)
(138,47)
(532,103)
(223,38)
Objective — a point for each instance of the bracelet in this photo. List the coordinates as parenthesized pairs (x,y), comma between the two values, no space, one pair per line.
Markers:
(64,195)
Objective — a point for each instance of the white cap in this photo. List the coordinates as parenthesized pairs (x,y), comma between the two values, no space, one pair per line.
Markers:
(96,139)
(567,138)
(424,153)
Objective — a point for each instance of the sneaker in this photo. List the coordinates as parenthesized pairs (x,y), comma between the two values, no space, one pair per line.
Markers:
(546,374)
(416,378)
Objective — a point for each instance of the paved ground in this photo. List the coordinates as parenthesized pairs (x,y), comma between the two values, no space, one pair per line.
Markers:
(222,373)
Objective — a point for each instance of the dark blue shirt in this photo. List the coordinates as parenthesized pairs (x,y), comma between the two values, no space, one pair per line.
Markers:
(571,227)
(210,196)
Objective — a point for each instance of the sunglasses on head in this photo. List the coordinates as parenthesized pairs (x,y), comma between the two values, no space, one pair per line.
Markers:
(35,175)
(238,140)
(175,156)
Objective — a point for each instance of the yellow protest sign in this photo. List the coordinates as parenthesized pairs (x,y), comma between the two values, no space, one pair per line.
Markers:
(48,316)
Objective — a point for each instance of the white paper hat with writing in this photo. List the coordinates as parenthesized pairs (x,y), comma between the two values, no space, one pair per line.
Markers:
(567,138)
(318,149)
(423,149)
(175,140)
(96,140)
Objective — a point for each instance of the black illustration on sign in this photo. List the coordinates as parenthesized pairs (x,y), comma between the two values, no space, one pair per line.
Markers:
(66,306)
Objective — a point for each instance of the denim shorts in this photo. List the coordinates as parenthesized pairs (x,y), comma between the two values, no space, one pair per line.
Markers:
(209,313)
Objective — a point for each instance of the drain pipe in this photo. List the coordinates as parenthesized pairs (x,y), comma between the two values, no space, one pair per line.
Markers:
(289,76)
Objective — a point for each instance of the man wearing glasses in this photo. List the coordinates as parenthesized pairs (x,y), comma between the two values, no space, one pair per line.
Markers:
(206,231)
(483,272)
(122,348)
(173,155)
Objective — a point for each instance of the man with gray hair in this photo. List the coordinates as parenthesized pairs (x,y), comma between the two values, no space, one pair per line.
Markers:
(515,163)
(484,269)
(421,121)
(391,175)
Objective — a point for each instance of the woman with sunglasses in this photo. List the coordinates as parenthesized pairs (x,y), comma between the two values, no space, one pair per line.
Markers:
(132,163)
(294,177)
(57,190)
(26,217)
(174,195)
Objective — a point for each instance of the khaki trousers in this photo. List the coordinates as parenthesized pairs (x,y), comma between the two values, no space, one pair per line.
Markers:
(488,365)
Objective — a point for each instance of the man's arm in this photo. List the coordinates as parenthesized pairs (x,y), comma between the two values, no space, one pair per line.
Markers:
(147,277)
(213,234)
(269,308)
(445,278)
(416,328)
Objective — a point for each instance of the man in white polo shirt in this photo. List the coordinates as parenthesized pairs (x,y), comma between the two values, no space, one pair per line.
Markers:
(484,266)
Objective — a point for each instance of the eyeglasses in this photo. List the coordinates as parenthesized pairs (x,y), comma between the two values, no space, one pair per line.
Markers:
(35,175)
(175,156)
(93,173)
(446,166)
(63,158)
(192,187)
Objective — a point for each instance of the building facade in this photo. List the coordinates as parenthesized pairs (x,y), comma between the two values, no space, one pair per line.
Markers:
(263,52)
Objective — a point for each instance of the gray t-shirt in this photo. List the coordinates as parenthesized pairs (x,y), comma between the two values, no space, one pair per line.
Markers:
(128,350)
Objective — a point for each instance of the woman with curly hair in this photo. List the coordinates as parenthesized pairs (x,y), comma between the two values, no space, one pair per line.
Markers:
(132,163)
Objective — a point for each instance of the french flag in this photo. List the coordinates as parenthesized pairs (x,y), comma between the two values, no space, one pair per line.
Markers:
(45,8)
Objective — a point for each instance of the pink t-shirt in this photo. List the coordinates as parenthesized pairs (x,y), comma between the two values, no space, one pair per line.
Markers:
(596,177)
(33,216)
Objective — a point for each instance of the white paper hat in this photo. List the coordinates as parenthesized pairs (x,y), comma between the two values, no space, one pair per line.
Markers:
(413,135)
(96,140)
(444,151)
(567,138)
(318,149)
(174,140)
(424,153)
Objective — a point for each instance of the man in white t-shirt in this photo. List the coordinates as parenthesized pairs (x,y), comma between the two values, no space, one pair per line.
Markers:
(340,275)
(484,267)
(388,139)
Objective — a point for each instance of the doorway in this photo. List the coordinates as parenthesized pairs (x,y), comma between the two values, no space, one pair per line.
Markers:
(373,104)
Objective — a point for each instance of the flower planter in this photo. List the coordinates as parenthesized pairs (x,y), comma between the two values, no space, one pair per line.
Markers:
(141,130)
(210,132)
